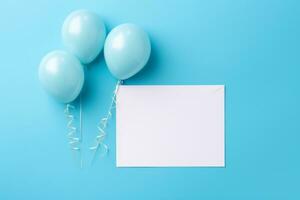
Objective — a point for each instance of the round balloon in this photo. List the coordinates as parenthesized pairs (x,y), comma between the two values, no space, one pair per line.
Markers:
(61,75)
(127,49)
(83,34)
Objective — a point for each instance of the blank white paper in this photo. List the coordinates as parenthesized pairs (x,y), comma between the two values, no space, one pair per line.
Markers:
(170,126)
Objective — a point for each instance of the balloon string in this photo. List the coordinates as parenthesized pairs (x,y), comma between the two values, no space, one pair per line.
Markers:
(99,141)
(74,141)
(80,127)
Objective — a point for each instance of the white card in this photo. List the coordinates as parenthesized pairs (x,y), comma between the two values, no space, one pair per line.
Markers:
(170,126)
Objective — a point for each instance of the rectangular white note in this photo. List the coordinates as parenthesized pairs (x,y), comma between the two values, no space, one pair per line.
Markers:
(170,126)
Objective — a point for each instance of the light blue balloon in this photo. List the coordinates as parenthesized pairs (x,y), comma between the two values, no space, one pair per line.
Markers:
(62,75)
(127,49)
(83,34)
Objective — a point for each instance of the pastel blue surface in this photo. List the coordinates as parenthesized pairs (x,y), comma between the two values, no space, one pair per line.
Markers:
(250,46)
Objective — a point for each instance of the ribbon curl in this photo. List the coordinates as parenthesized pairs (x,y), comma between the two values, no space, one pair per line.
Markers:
(74,140)
(99,141)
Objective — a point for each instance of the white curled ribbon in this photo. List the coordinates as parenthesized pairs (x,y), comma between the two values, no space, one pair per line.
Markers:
(99,141)
(73,139)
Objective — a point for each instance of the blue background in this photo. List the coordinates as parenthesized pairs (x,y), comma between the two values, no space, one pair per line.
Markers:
(251,46)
